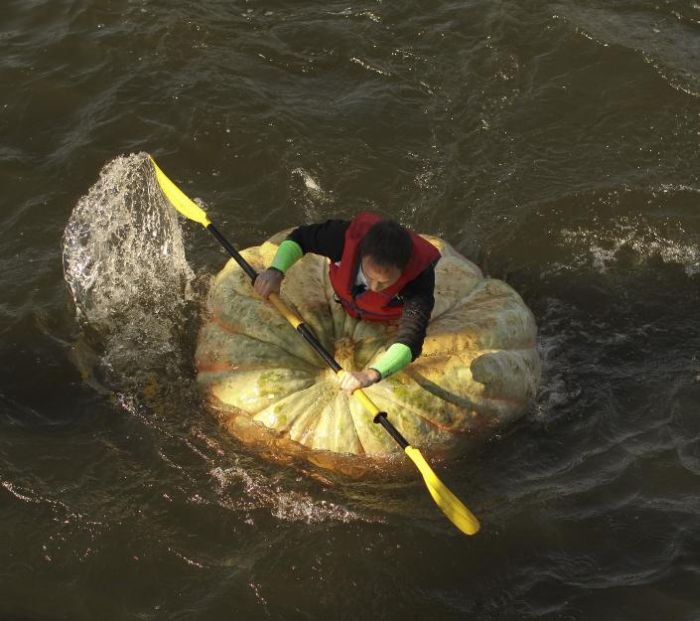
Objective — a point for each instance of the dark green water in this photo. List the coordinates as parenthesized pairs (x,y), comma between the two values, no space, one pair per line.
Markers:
(555,143)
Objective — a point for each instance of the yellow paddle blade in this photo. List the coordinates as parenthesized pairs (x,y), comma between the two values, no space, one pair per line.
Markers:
(186,206)
(449,504)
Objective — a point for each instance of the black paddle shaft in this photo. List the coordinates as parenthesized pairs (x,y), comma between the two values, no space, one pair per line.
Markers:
(306,332)
(247,267)
(382,420)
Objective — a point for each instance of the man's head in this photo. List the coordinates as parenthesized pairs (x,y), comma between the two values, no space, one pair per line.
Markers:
(385,251)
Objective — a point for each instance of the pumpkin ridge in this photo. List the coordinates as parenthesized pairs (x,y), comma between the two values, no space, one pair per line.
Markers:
(231,329)
(334,432)
(457,302)
(357,433)
(413,412)
(438,391)
(262,414)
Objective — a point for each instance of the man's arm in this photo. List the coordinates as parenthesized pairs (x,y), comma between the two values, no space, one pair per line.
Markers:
(326,238)
(419,300)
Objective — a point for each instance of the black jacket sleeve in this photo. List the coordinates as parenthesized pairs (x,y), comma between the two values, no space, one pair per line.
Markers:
(326,238)
(418,302)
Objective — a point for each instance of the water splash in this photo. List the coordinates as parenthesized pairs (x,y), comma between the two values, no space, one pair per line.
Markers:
(307,192)
(285,504)
(645,240)
(124,262)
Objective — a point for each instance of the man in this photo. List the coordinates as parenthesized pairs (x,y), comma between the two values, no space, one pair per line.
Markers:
(380,272)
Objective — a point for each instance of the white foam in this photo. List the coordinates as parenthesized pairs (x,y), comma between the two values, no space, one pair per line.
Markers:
(285,504)
(599,247)
(124,262)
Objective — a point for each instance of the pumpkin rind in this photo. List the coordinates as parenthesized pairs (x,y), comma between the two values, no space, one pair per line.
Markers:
(478,370)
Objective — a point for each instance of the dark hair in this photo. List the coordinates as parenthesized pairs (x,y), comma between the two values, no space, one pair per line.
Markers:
(388,243)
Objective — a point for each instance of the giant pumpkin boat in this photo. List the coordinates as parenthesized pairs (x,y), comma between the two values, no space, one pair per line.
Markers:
(478,370)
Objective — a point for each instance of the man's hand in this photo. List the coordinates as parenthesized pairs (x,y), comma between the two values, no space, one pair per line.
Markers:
(268,282)
(351,381)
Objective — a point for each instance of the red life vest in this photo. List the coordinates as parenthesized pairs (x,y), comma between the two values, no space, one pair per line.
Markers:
(375,305)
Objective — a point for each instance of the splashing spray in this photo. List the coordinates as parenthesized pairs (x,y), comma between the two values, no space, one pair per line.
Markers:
(124,262)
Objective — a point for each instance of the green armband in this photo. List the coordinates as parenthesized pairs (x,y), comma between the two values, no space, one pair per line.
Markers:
(394,359)
(288,253)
